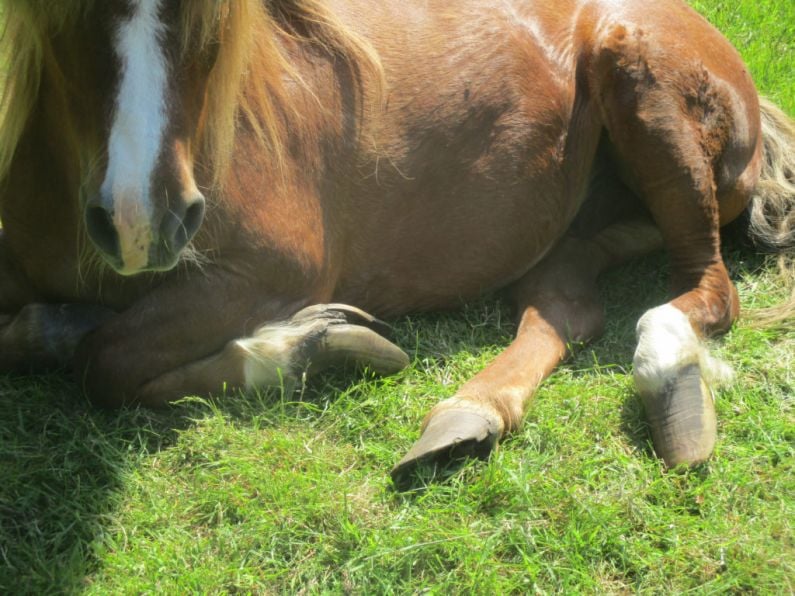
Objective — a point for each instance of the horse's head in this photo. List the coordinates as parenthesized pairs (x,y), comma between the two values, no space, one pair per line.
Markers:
(148,206)
(136,89)
(184,72)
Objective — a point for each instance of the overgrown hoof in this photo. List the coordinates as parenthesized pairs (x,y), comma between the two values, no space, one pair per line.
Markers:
(449,436)
(682,419)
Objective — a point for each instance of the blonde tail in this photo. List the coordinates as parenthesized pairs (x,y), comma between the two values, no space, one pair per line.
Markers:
(772,208)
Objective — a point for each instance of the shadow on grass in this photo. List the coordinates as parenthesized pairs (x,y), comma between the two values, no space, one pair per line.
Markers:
(63,465)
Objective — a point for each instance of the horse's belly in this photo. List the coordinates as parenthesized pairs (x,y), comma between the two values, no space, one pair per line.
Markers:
(472,213)
(454,246)
(476,169)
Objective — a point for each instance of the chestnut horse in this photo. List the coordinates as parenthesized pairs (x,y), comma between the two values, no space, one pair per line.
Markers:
(200,194)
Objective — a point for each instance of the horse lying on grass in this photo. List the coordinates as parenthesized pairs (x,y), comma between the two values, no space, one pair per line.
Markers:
(203,194)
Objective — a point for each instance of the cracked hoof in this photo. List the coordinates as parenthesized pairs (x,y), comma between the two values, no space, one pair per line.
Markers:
(682,419)
(449,436)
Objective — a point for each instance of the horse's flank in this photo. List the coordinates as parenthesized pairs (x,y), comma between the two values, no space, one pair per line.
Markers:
(247,85)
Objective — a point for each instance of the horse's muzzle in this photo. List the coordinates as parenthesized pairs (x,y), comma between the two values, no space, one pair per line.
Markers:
(132,241)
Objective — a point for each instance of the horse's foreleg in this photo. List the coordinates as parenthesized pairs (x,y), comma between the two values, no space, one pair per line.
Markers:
(279,353)
(33,335)
(45,336)
(558,302)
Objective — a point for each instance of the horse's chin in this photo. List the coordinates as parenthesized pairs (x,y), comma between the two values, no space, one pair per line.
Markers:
(145,270)
(160,264)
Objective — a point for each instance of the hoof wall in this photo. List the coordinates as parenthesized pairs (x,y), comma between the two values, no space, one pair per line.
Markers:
(682,419)
(449,436)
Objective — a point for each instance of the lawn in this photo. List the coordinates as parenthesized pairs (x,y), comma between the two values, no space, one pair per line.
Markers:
(290,493)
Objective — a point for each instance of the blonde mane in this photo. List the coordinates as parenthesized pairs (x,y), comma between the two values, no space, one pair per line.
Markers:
(24,49)
(246,85)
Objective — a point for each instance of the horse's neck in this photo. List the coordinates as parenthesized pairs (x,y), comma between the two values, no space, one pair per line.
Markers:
(319,106)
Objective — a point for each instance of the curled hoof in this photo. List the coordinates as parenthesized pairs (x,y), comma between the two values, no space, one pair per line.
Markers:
(339,334)
(449,436)
(682,419)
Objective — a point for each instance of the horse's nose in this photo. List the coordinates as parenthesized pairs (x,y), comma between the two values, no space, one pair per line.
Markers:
(102,231)
(123,232)
(180,224)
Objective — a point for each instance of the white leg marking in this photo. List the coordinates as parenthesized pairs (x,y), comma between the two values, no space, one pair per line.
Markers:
(269,355)
(666,343)
(136,134)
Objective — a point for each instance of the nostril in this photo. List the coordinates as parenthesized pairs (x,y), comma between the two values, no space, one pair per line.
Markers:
(193,218)
(101,230)
(177,233)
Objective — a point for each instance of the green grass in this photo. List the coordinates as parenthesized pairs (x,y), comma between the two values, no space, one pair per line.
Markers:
(275,493)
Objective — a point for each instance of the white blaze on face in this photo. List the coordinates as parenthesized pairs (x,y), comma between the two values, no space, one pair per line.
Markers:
(139,121)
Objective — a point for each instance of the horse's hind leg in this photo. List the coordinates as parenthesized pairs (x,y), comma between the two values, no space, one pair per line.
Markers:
(558,304)
(673,371)
(672,125)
